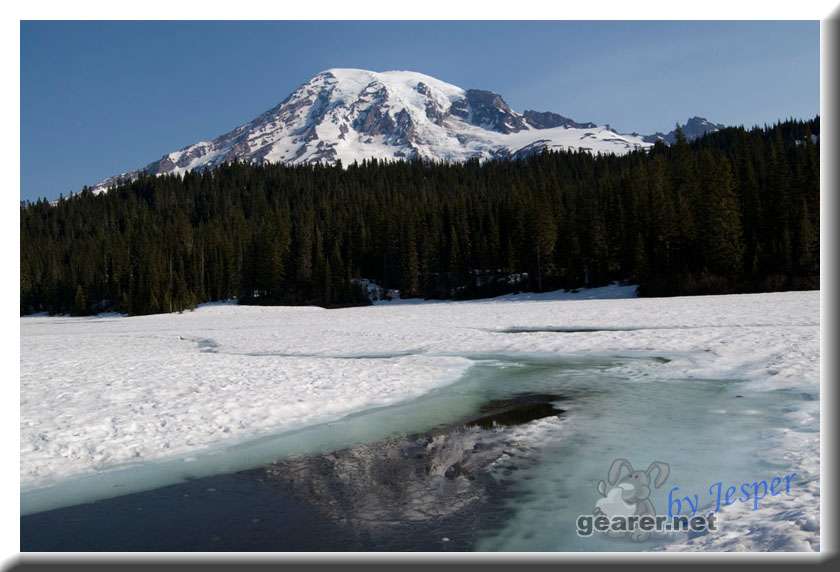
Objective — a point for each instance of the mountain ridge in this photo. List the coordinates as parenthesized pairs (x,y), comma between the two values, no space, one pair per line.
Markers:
(347,115)
(694,128)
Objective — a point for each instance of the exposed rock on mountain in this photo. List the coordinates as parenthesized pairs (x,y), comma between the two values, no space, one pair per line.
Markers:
(351,115)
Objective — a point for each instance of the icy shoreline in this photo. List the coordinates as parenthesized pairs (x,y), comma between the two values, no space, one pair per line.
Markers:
(100,392)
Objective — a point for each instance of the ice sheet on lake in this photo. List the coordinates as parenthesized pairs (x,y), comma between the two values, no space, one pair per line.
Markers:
(100,392)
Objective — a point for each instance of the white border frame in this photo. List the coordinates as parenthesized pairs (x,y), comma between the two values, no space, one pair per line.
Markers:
(383,10)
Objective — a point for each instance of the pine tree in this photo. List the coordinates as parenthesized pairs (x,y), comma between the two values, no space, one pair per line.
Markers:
(409,263)
(80,307)
(807,250)
(544,239)
(722,233)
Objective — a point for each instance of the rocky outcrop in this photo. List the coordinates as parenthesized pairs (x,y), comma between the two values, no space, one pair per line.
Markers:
(548,120)
(694,128)
(487,110)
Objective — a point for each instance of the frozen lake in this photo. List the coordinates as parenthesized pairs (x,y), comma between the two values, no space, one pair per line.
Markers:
(463,426)
(504,459)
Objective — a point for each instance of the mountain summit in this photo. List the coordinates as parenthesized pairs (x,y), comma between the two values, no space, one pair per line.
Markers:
(693,129)
(349,115)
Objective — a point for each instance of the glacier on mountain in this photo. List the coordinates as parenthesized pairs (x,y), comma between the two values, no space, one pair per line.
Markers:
(351,115)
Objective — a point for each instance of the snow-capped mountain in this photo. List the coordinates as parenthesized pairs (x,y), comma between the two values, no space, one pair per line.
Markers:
(351,115)
(693,129)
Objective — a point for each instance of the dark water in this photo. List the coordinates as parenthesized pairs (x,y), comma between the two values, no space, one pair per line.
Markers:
(430,491)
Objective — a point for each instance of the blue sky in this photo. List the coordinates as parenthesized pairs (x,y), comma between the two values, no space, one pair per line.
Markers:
(100,98)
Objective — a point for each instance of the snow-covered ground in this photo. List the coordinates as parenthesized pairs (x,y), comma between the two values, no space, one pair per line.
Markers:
(101,392)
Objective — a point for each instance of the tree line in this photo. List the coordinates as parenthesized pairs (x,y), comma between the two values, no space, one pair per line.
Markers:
(734,211)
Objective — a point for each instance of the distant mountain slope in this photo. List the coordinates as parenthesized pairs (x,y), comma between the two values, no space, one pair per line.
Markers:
(350,115)
(693,129)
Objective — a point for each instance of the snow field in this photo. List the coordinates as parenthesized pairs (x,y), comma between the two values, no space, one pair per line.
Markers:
(100,392)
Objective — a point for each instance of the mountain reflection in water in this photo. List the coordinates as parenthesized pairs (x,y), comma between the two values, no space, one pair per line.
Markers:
(423,477)
(435,490)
